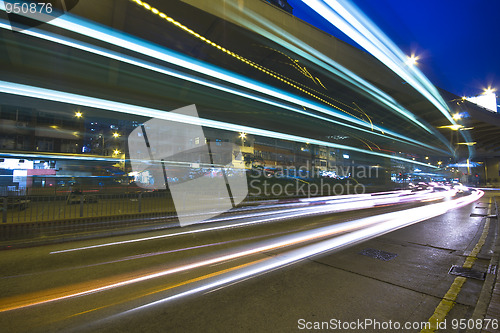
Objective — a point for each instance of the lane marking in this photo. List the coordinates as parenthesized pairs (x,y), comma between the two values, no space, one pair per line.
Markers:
(449,299)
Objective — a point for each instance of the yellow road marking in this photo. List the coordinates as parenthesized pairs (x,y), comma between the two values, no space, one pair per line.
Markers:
(473,255)
(445,305)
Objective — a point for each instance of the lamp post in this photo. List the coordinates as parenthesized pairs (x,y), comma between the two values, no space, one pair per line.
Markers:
(412,60)
(242,137)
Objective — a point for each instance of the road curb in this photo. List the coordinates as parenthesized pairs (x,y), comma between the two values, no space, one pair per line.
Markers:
(486,294)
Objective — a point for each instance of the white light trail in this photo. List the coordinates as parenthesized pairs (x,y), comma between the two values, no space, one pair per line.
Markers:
(120,39)
(357,230)
(266,28)
(102,33)
(332,205)
(176,74)
(374,227)
(360,29)
(59,96)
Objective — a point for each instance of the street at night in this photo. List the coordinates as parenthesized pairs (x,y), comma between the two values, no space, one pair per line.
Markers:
(248,166)
(139,281)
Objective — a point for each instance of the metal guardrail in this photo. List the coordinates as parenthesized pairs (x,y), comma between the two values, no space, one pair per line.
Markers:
(33,208)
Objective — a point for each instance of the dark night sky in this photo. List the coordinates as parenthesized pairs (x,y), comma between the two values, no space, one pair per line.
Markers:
(458,41)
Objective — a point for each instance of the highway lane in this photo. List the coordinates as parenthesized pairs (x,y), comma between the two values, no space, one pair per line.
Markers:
(68,284)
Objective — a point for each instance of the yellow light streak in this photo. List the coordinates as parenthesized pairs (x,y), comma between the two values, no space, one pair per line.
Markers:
(235,55)
(452,127)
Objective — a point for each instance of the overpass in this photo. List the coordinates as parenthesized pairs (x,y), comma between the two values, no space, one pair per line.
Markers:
(256,67)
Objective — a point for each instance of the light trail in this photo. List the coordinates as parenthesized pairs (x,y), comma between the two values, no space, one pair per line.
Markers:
(244,60)
(123,40)
(351,21)
(110,36)
(58,96)
(280,36)
(57,156)
(332,205)
(176,74)
(363,86)
(360,29)
(146,255)
(298,212)
(375,226)
(42,298)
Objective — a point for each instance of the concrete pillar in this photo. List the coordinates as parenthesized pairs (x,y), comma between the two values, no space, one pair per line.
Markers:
(492,171)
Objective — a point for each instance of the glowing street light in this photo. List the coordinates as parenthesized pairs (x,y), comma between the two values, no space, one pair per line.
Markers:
(488,91)
(116,135)
(242,137)
(412,60)
(457,116)
(116,152)
(78,114)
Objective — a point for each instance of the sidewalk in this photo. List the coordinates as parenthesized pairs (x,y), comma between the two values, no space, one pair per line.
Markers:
(493,288)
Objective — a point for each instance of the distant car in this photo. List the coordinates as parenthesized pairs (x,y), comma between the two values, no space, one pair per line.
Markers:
(462,190)
(420,186)
(440,187)
(66,183)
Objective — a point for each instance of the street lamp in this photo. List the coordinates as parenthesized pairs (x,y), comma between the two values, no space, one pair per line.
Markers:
(116,135)
(78,114)
(412,60)
(488,91)
(242,137)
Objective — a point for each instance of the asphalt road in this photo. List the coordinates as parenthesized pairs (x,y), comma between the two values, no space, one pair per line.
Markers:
(268,261)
